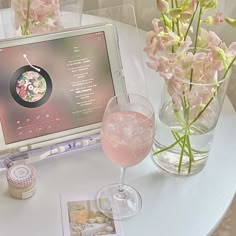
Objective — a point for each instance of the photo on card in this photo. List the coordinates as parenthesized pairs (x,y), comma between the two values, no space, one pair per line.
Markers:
(81,217)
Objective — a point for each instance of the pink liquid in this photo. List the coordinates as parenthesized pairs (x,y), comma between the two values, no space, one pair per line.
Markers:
(127,137)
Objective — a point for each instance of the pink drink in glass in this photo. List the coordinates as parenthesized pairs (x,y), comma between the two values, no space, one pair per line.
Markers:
(127,137)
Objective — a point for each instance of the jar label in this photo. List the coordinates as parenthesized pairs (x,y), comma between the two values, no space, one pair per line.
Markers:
(21,172)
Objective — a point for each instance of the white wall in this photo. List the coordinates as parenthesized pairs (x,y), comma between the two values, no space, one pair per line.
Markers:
(145,9)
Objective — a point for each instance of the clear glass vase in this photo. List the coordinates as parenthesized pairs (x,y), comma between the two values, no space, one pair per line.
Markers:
(186,122)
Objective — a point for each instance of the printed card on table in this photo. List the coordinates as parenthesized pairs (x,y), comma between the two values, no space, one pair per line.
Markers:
(81,217)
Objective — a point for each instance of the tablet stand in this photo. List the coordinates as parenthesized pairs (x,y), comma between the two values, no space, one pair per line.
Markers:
(120,16)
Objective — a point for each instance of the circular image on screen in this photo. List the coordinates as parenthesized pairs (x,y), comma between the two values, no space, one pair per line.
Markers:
(31,87)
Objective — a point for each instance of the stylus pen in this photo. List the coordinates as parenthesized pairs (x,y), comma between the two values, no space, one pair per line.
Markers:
(65,147)
(13,158)
(50,150)
(59,140)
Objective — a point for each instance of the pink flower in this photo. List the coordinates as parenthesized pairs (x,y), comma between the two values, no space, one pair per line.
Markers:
(186,66)
(154,45)
(175,86)
(150,36)
(159,40)
(200,56)
(184,46)
(165,68)
(232,49)
(42,15)
(171,39)
(163,65)
(213,39)
(157,28)
(215,62)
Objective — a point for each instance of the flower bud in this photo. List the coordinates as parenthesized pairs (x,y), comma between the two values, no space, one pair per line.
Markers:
(175,12)
(194,4)
(214,20)
(231,21)
(208,4)
(185,15)
(163,6)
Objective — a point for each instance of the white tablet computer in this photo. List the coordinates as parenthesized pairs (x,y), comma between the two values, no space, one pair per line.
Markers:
(55,87)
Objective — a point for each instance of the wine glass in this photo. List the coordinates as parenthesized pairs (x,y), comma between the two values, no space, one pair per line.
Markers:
(127,136)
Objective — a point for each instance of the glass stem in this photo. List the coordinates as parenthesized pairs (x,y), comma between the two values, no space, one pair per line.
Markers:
(121,195)
(122,177)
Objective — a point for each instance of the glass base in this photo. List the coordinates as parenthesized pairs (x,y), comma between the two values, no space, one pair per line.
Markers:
(119,204)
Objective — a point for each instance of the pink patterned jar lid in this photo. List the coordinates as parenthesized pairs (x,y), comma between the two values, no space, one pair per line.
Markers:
(21,175)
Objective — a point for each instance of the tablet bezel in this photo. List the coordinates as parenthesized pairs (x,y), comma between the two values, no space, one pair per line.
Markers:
(111,38)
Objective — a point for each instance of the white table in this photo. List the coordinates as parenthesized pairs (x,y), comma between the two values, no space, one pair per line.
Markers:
(172,206)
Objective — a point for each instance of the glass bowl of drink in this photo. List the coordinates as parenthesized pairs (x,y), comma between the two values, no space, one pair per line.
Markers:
(127,135)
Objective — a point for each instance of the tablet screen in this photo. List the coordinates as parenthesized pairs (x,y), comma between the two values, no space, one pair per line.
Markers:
(52,86)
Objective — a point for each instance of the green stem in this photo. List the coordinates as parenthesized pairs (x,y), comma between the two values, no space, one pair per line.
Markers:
(26,29)
(228,68)
(201,112)
(178,30)
(191,159)
(197,30)
(186,143)
(191,80)
(177,21)
(173,26)
(193,150)
(181,155)
(164,21)
(185,106)
(169,147)
(191,22)
(195,45)
(178,118)
(177,137)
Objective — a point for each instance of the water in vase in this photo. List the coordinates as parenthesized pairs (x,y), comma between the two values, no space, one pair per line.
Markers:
(200,139)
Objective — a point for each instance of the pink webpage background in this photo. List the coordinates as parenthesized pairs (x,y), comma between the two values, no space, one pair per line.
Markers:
(63,109)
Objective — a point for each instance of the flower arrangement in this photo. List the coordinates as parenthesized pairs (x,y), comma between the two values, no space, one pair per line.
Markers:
(36,16)
(195,64)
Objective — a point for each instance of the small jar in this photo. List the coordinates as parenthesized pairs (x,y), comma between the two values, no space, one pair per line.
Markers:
(21,180)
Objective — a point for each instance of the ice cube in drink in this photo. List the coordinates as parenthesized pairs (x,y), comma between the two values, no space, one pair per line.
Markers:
(127,137)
